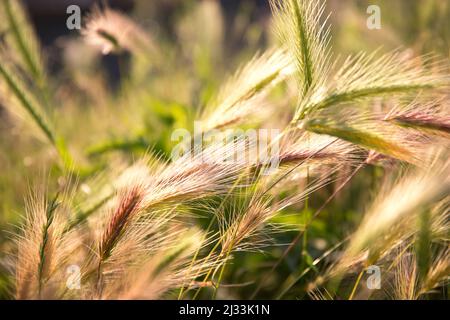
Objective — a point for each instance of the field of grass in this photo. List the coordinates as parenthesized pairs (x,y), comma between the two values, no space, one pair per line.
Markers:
(293,154)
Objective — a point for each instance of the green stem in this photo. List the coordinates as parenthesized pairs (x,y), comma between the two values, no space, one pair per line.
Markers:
(216,288)
(358,280)
(45,237)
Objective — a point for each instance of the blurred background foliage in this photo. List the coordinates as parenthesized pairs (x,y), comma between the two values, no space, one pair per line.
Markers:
(114,109)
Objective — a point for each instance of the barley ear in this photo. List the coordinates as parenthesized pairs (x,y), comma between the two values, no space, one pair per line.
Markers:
(299,25)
